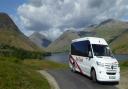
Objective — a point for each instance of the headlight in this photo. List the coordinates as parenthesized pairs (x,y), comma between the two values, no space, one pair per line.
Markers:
(100,64)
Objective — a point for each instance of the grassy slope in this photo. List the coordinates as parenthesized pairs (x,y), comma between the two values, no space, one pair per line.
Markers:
(120,45)
(17,40)
(43,64)
(18,74)
(110,30)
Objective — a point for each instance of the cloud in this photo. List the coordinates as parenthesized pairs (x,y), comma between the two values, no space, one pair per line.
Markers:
(52,34)
(52,17)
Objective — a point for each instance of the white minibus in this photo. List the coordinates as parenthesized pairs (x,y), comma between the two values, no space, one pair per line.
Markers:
(92,56)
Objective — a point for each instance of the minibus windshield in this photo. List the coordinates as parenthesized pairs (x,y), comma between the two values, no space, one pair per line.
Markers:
(101,50)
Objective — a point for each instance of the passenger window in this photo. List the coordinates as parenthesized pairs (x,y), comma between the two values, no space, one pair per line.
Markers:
(80,48)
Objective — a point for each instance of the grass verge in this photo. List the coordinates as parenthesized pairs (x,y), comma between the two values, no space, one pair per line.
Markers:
(15,75)
(123,65)
(22,74)
(44,64)
(124,75)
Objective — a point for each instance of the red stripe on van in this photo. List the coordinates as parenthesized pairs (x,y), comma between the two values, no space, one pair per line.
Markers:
(74,61)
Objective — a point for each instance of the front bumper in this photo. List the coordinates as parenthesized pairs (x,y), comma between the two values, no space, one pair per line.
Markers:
(108,76)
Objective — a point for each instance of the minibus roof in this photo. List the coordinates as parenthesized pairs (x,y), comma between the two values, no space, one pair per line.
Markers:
(93,40)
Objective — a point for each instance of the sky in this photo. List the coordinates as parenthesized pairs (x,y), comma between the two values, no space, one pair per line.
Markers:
(53,17)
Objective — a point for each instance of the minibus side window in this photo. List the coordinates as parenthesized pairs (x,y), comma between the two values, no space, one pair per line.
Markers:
(80,48)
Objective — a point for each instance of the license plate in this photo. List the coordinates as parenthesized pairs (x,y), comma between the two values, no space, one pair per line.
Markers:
(112,77)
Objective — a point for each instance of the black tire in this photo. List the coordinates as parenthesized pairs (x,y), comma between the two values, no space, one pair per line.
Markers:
(93,76)
(116,83)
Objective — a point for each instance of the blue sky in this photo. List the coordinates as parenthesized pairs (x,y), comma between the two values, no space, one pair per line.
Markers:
(10,6)
(53,17)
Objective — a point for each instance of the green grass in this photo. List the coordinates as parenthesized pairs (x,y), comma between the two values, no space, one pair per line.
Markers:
(123,65)
(124,75)
(15,75)
(44,64)
(22,74)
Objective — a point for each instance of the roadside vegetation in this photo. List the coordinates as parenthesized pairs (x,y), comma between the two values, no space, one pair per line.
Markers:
(15,75)
(18,68)
(123,65)
(124,75)
(22,74)
(44,64)
(11,51)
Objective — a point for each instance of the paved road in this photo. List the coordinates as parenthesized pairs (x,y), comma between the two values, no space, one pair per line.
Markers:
(69,80)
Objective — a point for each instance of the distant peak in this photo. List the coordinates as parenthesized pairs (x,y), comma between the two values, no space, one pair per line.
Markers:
(5,19)
(69,31)
(6,22)
(108,21)
(37,34)
(4,16)
(92,25)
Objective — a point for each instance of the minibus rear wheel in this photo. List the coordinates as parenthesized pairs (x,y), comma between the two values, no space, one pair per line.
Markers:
(93,75)
(73,67)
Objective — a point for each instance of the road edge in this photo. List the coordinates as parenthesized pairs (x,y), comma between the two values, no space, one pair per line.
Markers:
(50,78)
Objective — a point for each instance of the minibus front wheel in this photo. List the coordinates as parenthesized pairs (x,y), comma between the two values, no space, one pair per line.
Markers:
(93,75)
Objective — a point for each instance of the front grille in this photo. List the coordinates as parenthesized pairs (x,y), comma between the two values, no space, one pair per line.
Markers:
(111,73)
(110,66)
(111,69)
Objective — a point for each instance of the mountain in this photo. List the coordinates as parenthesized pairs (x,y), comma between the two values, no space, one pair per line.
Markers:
(12,36)
(110,29)
(108,22)
(114,31)
(39,39)
(63,42)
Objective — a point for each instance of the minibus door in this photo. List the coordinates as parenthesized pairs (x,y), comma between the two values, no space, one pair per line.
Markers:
(88,65)
(88,57)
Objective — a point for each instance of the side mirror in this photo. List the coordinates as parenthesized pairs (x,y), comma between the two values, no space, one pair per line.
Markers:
(90,54)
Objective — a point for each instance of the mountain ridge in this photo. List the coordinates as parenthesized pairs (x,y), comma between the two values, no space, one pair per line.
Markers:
(11,35)
(109,30)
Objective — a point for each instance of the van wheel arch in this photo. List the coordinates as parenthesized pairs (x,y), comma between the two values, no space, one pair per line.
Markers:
(92,68)
(93,74)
